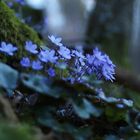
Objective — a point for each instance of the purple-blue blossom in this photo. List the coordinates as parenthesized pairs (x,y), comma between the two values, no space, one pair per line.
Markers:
(64,52)
(48,56)
(101,65)
(10,4)
(25,62)
(78,54)
(120,105)
(37,65)
(96,58)
(108,60)
(82,61)
(30,47)
(51,72)
(90,59)
(7,48)
(56,40)
(108,72)
(99,58)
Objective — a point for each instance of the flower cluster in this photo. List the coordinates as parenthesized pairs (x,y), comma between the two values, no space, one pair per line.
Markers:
(73,61)
(101,65)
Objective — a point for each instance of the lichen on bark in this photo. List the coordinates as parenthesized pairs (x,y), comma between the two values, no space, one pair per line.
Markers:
(13,30)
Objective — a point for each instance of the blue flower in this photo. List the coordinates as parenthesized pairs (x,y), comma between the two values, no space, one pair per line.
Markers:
(108,69)
(108,72)
(96,58)
(7,48)
(99,58)
(120,106)
(90,59)
(56,41)
(30,47)
(78,54)
(101,65)
(48,56)
(36,65)
(64,52)
(82,61)
(10,4)
(51,72)
(25,62)
(108,60)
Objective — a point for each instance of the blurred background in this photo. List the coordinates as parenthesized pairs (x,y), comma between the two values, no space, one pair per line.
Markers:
(113,26)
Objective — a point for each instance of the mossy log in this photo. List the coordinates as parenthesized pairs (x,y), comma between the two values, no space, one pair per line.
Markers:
(13,30)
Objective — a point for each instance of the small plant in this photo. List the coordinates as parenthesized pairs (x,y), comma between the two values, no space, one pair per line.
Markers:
(60,91)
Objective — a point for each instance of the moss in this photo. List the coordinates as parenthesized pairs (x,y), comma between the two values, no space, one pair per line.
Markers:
(10,131)
(13,30)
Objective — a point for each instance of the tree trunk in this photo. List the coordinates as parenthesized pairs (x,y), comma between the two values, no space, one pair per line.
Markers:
(110,26)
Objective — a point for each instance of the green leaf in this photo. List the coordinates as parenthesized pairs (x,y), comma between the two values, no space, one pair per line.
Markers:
(40,84)
(85,109)
(50,121)
(35,82)
(8,77)
(111,137)
(128,103)
(115,114)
